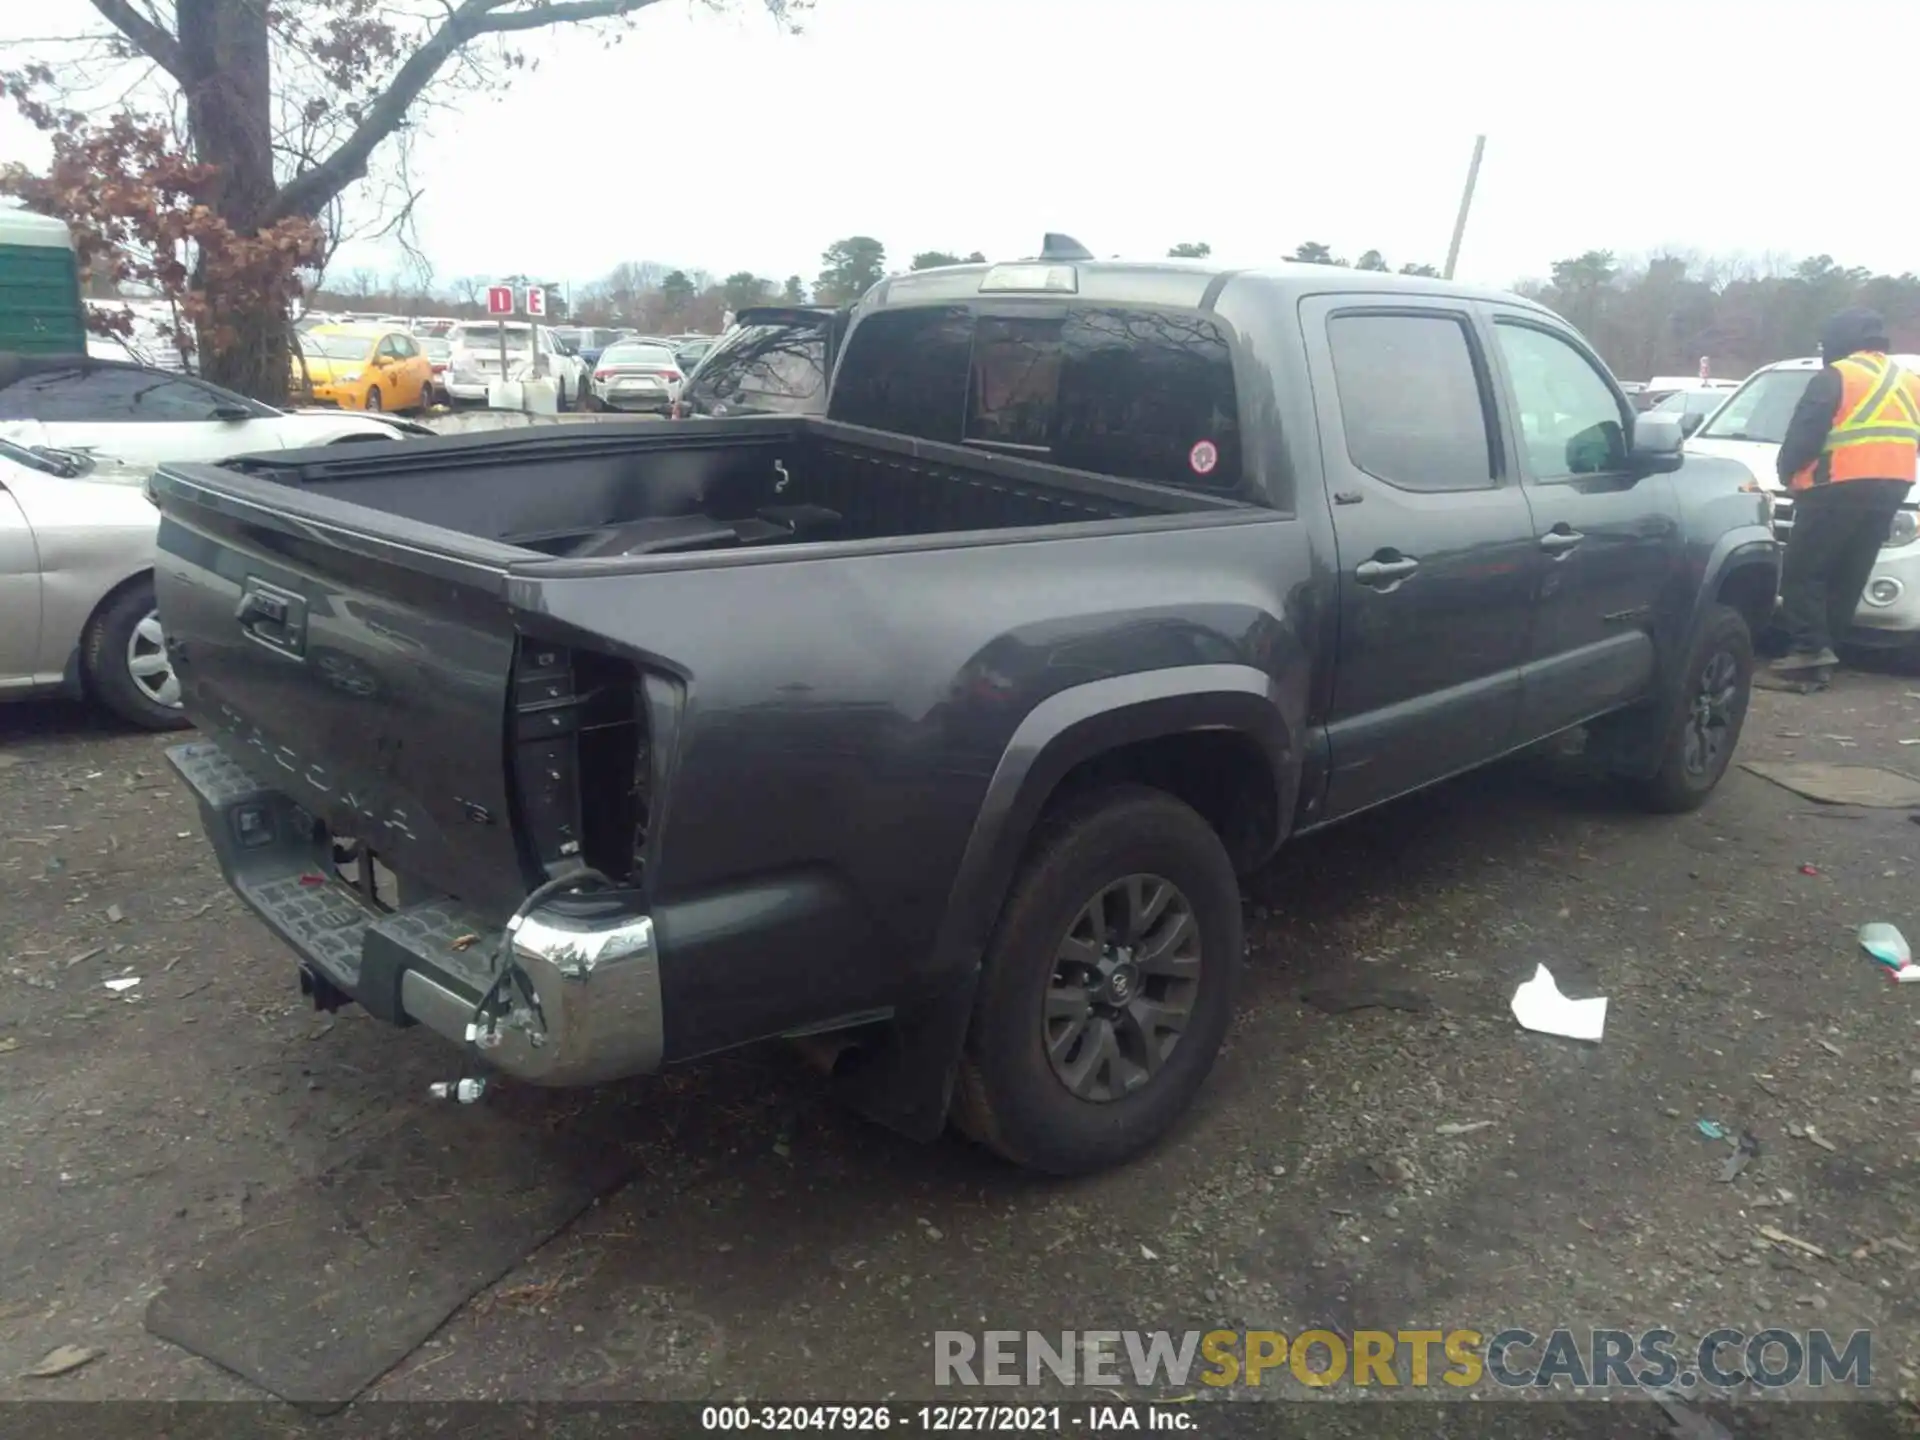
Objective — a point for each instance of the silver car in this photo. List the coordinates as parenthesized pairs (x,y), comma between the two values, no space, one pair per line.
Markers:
(633,375)
(76,586)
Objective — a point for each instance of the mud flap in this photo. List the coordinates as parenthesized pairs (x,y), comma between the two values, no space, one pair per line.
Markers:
(906,1081)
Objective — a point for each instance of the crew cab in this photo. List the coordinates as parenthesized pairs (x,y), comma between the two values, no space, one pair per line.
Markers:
(1750,427)
(936,732)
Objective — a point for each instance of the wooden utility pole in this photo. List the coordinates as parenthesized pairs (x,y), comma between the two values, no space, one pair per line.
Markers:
(1466,204)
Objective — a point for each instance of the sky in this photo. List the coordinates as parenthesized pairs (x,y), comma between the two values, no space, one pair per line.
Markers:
(721,143)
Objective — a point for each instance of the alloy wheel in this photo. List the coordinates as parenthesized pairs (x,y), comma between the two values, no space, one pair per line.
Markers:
(1710,721)
(149,665)
(1124,982)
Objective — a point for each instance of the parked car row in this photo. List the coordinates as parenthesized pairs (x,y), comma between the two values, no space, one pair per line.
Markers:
(78,439)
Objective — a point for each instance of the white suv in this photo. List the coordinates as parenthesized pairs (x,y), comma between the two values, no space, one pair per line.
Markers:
(1750,427)
(531,352)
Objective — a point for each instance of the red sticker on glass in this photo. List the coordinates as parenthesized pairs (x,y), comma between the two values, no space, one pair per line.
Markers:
(1203,457)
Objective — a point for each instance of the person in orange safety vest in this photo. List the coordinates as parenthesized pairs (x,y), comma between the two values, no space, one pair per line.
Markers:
(1849,458)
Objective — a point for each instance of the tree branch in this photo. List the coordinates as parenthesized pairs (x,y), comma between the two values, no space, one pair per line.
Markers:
(308,192)
(153,41)
(560,13)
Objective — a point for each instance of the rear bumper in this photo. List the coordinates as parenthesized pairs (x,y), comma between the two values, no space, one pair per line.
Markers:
(596,1011)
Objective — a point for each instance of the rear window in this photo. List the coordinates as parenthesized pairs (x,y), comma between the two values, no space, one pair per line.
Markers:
(764,369)
(476,337)
(1136,394)
(637,355)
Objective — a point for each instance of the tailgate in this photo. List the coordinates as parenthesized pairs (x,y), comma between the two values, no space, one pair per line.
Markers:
(358,661)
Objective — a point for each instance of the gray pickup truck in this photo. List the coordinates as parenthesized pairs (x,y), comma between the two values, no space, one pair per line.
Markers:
(934,732)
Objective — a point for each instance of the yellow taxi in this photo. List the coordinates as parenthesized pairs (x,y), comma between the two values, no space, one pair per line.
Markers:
(362,368)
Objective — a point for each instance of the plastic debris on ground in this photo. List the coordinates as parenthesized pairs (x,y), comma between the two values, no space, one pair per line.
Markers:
(122,982)
(1539,1006)
(1746,1150)
(1889,947)
(62,1359)
(1712,1129)
(1808,870)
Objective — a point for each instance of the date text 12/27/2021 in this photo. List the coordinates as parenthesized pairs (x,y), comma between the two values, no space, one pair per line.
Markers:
(949,1419)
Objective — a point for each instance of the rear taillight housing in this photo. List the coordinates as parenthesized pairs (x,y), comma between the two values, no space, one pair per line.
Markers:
(601,374)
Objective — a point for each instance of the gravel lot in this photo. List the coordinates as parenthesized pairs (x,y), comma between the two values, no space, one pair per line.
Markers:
(773,1245)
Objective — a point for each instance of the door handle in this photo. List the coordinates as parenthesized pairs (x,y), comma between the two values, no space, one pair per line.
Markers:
(1385,568)
(1560,539)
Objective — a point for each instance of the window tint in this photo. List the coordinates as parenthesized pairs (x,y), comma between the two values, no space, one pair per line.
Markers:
(1138,394)
(1411,402)
(906,371)
(100,395)
(1570,421)
(1148,395)
(1013,394)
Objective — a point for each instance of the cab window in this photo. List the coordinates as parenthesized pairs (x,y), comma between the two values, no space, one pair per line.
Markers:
(1137,394)
(1571,421)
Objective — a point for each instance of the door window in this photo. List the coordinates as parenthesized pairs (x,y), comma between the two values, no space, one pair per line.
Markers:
(389,350)
(1412,401)
(1571,422)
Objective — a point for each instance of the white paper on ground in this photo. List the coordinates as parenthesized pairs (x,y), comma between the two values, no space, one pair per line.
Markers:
(1539,1005)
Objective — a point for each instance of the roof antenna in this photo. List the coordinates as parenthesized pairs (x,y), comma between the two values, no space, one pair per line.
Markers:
(1063,247)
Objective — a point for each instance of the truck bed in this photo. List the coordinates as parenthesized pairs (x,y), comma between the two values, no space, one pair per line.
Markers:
(645,489)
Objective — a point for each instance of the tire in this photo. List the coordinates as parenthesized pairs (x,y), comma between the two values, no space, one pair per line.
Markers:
(125,633)
(1011,1095)
(1716,682)
(560,395)
(373,397)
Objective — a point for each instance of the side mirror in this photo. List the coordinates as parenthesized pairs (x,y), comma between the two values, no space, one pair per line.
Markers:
(232,414)
(1657,443)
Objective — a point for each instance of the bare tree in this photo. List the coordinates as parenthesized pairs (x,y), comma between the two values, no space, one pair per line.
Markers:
(271,113)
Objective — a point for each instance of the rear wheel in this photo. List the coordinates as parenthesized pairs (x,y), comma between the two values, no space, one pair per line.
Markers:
(124,655)
(1108,986)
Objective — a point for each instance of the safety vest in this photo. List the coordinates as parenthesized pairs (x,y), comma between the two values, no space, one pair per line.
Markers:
(1876,431)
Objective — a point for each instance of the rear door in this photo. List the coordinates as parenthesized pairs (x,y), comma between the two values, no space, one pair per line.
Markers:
(1437,558)
(1609,537)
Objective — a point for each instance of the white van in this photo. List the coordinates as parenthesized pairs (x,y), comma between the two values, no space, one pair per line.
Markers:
(1751,426)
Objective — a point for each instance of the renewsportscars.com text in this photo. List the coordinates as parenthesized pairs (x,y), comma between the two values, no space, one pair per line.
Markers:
(1514,1358)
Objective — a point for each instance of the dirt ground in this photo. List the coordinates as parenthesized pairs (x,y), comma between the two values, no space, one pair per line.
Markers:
(775,1246)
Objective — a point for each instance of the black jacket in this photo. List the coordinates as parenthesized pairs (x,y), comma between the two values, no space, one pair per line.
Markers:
(1848,333)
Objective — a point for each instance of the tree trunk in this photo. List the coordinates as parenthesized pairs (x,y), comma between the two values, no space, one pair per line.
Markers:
(228,79)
